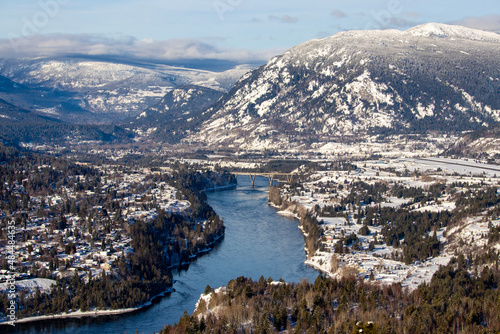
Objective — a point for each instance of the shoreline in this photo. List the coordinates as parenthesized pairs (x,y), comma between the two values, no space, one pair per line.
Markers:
(318,267)
(412,277)
(89,314)
(103,313)
(290,214)
(198,253)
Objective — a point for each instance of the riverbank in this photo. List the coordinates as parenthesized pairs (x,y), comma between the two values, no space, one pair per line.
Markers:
(350,245)
(107,313)
(89,314)
(257,242)
(200,252)
(221,188)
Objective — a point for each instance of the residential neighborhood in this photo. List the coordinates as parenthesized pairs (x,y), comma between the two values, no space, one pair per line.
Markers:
(348,201)
(73,225)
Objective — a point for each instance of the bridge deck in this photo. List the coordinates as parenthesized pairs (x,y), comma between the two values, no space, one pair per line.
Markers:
(270,175)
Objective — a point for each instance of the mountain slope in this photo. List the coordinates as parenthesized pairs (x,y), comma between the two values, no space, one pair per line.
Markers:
(111,89)
(180,112)
(355,84)
(18,125)
(482,143)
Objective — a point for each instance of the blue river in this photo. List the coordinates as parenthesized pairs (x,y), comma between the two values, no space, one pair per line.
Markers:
(258,242)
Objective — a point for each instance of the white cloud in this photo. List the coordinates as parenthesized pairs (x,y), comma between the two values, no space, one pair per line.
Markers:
(283,19)
(338,14)
(87,44)
(488,23)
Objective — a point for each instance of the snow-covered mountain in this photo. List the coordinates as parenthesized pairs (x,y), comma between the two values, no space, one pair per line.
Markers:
(180,112)
(108,88)
(356,84)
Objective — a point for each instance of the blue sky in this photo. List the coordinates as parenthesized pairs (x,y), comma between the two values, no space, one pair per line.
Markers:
(225,29)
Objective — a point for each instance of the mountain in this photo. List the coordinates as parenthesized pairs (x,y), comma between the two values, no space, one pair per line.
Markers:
(100,89)
(360,86)
(7,85)
(18,125)
(46,101)
(482,143)
(179,112)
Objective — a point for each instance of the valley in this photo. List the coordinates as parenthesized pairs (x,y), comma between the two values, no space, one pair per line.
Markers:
(389,140)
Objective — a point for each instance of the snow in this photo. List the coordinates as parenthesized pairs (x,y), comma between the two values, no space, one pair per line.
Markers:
(105,87)
(378,263)
(340,92)
(50,111)
(461,166)
(425,111)
(394,202)
(31,284)
(452,31)
(206,298)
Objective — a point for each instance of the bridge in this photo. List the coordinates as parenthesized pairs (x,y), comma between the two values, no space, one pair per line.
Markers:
(272,176)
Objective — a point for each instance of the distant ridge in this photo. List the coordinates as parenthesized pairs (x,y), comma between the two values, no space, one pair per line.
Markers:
(358,85)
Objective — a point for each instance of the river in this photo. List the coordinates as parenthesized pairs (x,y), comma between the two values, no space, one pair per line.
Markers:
(258,242)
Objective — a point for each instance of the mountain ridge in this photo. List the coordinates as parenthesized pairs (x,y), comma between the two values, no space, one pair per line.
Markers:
(25,127)
(105,89)
(178,113)
(357,84)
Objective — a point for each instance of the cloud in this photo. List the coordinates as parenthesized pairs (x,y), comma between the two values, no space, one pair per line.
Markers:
(338,14)
(128,46)
(283,19)
(385,20)
(413,15)
(400,22)
(488,23)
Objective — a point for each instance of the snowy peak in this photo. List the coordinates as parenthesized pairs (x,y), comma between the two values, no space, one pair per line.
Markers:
(452,31)
(362,83)
(363,38)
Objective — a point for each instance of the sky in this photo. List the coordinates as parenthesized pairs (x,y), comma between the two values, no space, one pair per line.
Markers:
(237,30)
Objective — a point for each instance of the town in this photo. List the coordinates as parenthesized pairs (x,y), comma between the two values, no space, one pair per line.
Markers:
(347,203)
(81,222)
(74,243)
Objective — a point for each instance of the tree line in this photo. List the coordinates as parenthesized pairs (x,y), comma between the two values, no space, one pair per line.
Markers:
(453,302)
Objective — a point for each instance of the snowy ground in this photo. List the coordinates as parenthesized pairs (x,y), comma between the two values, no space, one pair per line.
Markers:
(93,313)
(30,285)
(378,263)
(460,166)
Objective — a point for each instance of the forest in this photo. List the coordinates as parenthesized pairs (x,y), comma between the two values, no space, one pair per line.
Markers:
(23,126)
(455,301)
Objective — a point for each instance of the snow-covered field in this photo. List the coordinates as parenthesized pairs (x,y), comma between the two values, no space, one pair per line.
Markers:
(30,285)
(378,264)
(460,166)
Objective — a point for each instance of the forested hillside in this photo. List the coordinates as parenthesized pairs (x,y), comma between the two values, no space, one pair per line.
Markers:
(106,236)
(454,302)
(22,126)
